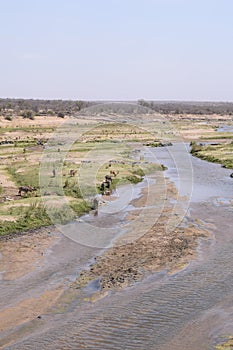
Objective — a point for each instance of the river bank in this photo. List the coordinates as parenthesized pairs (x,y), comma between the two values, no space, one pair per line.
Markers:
(118,267)
(186,310)
(216,153)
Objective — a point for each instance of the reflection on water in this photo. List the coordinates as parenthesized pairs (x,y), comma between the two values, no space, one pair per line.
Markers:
(153,313)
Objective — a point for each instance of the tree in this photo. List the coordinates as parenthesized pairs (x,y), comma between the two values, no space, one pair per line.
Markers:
(80,105)
(61,115)
(28,114)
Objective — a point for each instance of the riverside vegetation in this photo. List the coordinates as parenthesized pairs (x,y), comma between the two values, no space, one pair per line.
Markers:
(23,141)
(22,145)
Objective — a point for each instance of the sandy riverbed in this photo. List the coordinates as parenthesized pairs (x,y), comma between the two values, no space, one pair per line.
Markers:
(126,262)
(118,267)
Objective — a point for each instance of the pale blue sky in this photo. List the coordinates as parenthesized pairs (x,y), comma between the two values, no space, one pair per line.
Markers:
(117,49)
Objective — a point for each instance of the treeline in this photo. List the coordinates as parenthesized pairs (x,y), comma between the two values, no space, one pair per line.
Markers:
(220,108)
(30,107)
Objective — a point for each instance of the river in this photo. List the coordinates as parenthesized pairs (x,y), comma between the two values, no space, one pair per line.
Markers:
(189,310)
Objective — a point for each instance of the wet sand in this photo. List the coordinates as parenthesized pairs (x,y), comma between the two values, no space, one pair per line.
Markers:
(125,263)
(21,254)
(118,267)
(183,311)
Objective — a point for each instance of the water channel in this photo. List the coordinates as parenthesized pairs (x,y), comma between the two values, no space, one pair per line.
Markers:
(189,310)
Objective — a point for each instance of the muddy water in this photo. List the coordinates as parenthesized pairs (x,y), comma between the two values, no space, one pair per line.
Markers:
(189,310)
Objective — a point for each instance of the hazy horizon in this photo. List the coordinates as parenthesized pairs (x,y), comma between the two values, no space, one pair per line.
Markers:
(114,50)
(118,101)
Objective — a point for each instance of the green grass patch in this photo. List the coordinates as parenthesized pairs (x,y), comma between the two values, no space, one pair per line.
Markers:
(222,153)
(134,179)
(31,217)
(28,175)
(228,345)
(80,207)
(37,215)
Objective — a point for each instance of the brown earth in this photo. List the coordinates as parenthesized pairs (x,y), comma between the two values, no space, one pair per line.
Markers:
(22,254)
(28,309)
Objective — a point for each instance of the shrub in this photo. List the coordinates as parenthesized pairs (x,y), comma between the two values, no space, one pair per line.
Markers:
(28,114)
(138,172)
(134,179)
(9,118)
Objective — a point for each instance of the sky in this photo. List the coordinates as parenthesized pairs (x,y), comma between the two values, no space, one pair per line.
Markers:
(117,49)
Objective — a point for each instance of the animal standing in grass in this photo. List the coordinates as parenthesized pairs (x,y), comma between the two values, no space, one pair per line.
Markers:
(26,189)
(73,172)
(114,173)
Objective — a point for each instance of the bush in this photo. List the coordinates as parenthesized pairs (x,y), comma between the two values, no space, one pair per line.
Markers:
(28,114)
(138,172)
(28,178)
(9,118)
(72,190)
(195,148)
(34,217)
(134,179)
(80,208)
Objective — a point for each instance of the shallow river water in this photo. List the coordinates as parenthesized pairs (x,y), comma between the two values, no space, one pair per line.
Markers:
(189,310)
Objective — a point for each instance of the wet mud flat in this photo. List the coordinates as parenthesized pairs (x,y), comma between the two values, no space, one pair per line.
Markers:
(130,259)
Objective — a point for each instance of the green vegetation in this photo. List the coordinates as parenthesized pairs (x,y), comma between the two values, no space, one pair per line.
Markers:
(134,179)
(37,215)
(9,118)
(154,144)
(32,217)
(228,345)
(28,176)
(158,144)
(221,153)
(21,152)
(138,172)
(27,129)
(41,107)
(81,207)
(28,114)
(201,108)
(72,190)
(219,136)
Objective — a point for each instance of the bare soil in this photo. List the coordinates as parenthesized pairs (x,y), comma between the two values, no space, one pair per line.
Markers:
(28,309)
(22,254)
